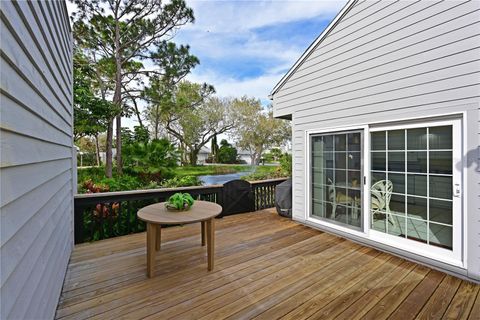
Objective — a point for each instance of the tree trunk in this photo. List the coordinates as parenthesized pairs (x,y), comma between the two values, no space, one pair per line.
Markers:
(253,158)
(117,96)
(137,112)
(97,151)
(157,122)
(108,164)
(119,145)
(193,157)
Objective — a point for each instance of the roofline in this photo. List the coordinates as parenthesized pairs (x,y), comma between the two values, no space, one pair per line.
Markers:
(312,46)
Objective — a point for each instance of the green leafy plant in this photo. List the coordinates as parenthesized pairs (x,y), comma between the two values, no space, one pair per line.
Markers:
(180,201)
(152,161)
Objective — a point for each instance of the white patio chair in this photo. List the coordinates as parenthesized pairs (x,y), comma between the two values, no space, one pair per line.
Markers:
(337,199)
(381,193)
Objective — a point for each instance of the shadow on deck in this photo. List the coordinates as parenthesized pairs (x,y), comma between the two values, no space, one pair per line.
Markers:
(266,267)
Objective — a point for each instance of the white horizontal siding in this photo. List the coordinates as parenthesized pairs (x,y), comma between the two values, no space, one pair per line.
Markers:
(390,60)
(36,163)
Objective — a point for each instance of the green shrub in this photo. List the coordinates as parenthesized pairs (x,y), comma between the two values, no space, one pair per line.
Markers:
(185,181)
(286,163)
(226,153)
(152,161)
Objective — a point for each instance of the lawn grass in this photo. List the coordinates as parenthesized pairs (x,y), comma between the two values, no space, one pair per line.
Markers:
(211,170)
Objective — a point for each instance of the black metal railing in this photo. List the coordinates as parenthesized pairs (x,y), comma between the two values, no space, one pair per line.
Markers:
(110,214)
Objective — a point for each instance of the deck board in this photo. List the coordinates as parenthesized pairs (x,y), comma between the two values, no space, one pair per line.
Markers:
(266,267)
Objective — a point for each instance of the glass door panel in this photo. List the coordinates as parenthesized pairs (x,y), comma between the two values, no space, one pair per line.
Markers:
(336,176)
(412,178)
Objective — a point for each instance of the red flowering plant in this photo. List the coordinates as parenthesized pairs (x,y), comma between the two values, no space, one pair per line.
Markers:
(103,210)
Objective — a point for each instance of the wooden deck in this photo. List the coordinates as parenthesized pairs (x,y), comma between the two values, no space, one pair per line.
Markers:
(267,267)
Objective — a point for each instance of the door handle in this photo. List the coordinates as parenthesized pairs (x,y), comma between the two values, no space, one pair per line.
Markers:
(457,191)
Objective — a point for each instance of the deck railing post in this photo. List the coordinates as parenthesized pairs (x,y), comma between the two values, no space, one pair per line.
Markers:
(78,230)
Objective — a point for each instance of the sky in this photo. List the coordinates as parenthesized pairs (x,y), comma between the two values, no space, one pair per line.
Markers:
(245,47)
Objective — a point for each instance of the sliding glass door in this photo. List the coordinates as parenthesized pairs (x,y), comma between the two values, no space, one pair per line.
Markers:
(336,178)
(415,174)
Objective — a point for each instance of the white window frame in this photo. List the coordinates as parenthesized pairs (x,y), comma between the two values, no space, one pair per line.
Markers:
(308,199)
(456,256)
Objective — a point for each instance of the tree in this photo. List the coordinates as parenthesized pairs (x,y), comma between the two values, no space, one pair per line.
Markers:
(192,117)
(120,35)
(92,113)
(257,129)
(177,63)
(227,153)
(214,149)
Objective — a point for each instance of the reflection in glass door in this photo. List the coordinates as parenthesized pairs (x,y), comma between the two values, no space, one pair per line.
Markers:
(412,177)
(336,178)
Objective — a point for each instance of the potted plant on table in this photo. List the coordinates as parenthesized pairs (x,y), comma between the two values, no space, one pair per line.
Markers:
(179,202)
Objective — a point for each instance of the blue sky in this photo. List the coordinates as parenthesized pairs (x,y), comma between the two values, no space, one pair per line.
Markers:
(245,47)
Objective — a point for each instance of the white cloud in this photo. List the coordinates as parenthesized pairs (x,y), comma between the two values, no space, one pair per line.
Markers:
(237,16)
(258,87)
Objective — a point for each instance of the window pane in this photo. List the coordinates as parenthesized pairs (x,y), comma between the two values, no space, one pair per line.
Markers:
(354,141)
(318,161)
(398,181)
(417,230)
(329,176)
(329,159)
(441,235)
(340,160)
(378,161)
(340,178)
(319,192)
(417,185)
(417,139)
(340,142)
(378,140)
(336,191)
(411,184)
(441,211)
(417,162)
(396,140)
(354,180)
(354,160)
(441,187)
(317,145)
(417,208)
(441,162)
(377,176)
(319,208)
(397,204)
(396,161)
(395,225)
(378,221)
(440,137)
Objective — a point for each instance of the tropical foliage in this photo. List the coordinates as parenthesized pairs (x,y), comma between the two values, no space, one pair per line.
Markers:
(152,161)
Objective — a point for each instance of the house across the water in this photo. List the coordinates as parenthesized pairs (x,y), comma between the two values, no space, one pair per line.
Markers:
(385,114)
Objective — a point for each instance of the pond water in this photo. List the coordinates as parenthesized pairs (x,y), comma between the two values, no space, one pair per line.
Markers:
(222,178)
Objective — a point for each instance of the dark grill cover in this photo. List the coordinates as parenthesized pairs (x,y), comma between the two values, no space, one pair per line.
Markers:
(283,198)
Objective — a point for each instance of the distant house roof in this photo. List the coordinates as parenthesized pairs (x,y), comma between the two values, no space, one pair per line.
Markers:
(205,150)
(312,47)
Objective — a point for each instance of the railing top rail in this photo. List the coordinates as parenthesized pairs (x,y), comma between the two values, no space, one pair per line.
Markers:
(146,191)
(267,181)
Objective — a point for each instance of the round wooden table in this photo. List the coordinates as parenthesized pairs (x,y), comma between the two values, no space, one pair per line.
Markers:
(156,214)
